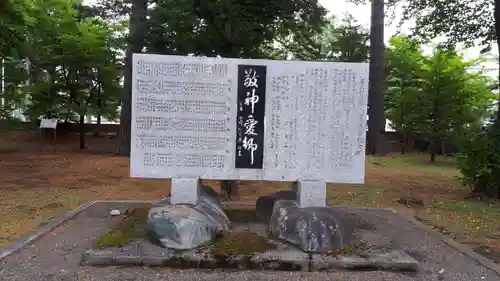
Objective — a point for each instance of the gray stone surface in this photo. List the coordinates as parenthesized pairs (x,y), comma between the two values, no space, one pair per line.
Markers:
(282,256)
(313,229)
(186,226)
(56,257)
(264,204)
(375,253)
(392,260)
(395,260)
(45,227)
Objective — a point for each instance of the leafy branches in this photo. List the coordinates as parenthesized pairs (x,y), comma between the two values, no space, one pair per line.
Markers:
(345,40)
(467,22)
(436,97)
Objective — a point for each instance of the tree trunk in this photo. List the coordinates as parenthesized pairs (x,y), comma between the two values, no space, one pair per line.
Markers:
(98,125)
(433,151)
(436,122)
(82,131)
(376,141)
(496,126)
(497,33)
(434,146)
(2,90)
(97,132)
(403,143)
(401,118)
(137,30)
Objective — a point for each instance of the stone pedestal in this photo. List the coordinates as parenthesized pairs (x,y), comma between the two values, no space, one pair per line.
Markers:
(185,191)
(310,193)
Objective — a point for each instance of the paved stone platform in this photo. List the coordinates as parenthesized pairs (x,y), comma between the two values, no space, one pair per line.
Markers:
(369,250)
(57,254)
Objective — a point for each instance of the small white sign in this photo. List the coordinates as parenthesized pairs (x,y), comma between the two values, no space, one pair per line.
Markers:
(48,123)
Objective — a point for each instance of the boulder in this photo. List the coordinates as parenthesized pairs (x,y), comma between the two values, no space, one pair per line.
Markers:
(187,226)
(264,205)
(312,229)
(210,192)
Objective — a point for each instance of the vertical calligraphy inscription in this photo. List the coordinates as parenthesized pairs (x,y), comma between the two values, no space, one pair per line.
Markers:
(250,117)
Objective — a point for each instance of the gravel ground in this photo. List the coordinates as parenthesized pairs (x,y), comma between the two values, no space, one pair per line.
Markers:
(56,256)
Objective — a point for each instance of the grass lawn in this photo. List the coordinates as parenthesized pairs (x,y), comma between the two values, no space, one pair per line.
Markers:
(36,185)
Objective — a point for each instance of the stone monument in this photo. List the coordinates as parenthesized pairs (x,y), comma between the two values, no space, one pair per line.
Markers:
(238,119)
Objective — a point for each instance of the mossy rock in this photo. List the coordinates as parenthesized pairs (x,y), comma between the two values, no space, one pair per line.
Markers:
(357,248)
(134,226)
(241,244)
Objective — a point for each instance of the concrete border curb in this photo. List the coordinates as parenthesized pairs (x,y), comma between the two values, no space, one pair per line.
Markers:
(30,237)
(454,244)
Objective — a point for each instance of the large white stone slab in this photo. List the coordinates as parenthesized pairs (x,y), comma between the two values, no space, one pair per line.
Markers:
(184,119)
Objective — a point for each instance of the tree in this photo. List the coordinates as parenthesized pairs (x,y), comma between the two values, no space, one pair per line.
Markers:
(350,42)
(11,25)
(436,97)
(12,21)
(344,41)
(404,68)
(376,142)
(136,42)
(466,22)
(72,61)
(450,94)
(227,28)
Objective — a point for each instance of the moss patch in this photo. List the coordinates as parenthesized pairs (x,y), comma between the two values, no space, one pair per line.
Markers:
(132,226)
(356,248)
(359,223)
(241,215)
(241,244)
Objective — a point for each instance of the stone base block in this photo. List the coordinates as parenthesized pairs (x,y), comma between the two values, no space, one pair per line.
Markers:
(185,191)
(311,193)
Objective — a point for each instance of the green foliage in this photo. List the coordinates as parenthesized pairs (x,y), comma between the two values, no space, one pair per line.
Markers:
(227,28)
(344,41)
(132,226)
(12,23)
(450,93)
(436,97)
(66,63)
(479,161)
(458,21)
(73,62)
(466,22)
(404,65)
(349,41)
